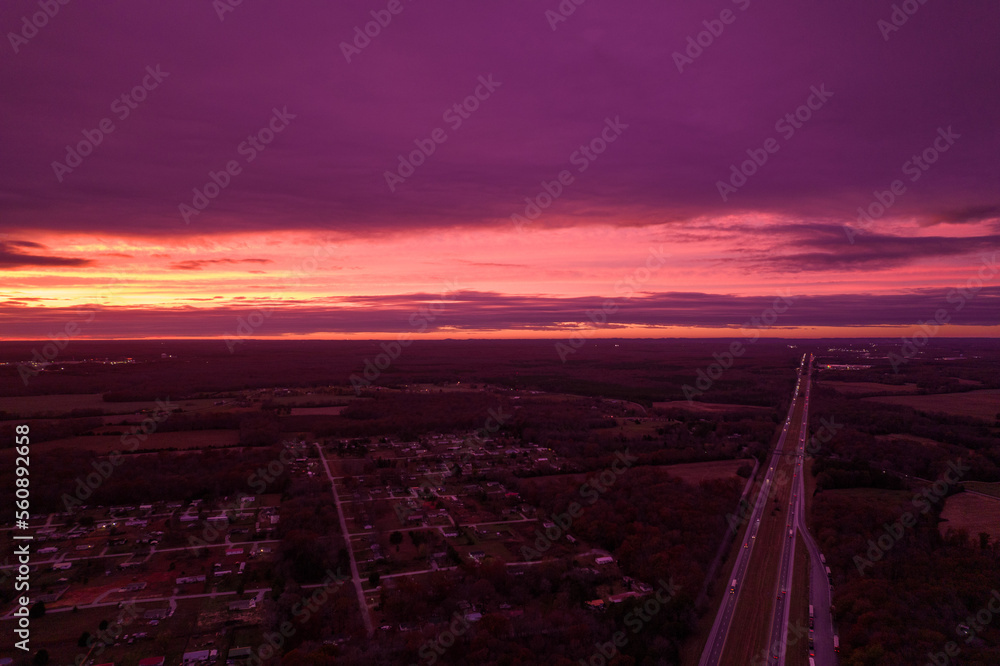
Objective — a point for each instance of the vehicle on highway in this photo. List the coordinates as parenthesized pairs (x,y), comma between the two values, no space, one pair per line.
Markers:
(732,589)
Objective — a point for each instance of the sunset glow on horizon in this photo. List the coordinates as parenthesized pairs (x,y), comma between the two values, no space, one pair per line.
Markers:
(511,185)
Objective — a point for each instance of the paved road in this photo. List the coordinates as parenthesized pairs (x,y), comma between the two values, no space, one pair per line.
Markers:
(778,639)
(723,619)
(820,592)
(362,603)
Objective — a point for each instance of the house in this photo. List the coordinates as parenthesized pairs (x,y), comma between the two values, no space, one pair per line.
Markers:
(238,654)
(246,604)
(184,580)
(199,657)
(153,661)
(604,560)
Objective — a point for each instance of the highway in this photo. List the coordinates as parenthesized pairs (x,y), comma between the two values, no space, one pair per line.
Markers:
(714,648)
(777,641)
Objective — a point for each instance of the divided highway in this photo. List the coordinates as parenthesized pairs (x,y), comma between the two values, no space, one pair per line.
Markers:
(720,629)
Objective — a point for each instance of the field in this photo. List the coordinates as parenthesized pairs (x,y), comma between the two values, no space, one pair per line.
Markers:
(851,388)
(102,444)
(318,411)
(992,489)
(707,407)
(35,406)
(692,473)
(973,513)
(695,473)
(983,404)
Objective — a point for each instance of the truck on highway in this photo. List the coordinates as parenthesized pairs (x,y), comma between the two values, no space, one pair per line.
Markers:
(812,617)
(732,588)
(822,558)
(829,575)
(836,643)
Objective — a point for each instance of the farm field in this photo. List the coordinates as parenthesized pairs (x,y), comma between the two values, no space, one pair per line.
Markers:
(318,411)
(184,439)
(707,407)
(35,406)
(972,513)
(983,404)
(983,487)
(868,387)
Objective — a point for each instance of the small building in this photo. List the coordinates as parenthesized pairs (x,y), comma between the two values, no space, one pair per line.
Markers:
(153,661)
(239,654)
(198,657)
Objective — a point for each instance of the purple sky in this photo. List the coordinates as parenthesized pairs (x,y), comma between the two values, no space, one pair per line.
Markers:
(323,176)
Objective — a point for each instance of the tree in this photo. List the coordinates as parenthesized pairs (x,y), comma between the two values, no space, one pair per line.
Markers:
(374,579)
(82,641)
(395,539)
(38,610)
(41,657)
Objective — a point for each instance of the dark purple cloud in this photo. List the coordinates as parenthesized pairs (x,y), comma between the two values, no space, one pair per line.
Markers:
(200,264)
(609,59)
(11,256)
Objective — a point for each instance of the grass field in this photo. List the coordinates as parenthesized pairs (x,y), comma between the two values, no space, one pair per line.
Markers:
(851,388)
(911,439)
(708,407)
(318,411)
(101,444)
(992,489)
(692,473)
(973,513)
(695,473)
(983,404)
(36,406)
